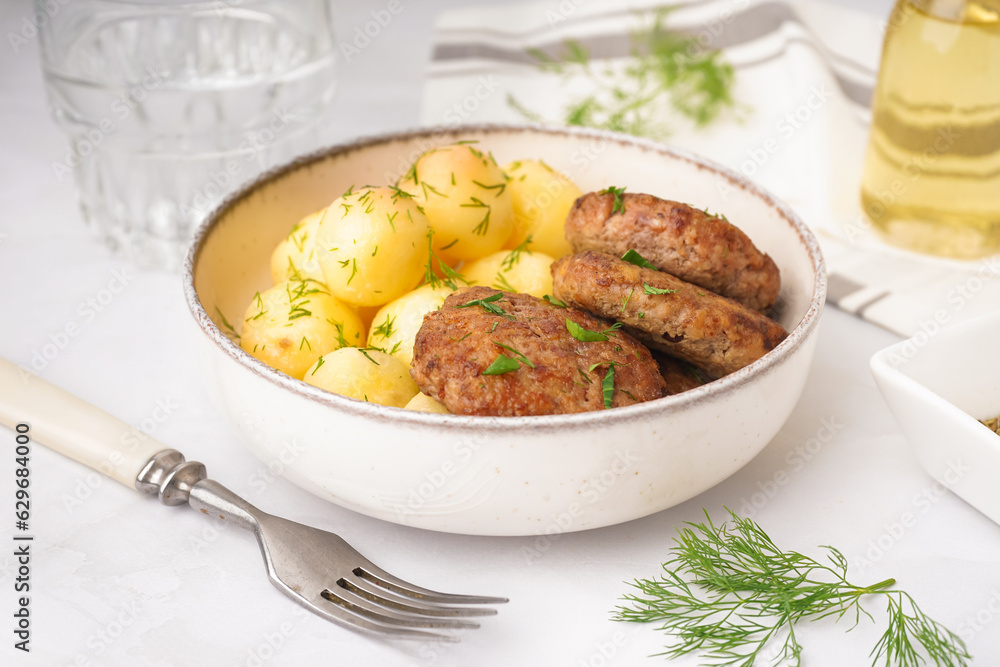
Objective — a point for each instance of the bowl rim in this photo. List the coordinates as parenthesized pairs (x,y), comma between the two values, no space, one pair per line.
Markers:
(576,421)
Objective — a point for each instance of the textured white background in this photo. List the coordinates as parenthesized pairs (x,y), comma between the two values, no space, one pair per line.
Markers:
(121,580)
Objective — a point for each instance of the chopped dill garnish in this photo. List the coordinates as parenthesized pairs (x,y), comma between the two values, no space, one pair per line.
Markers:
(632,257)
(366,350)
(341,341)
(451,276)
(260,307)
(293,272)
(514,256)
(319,362)
(231,331)
(427,186)
(619,204)
(554,301)
(502,364)
(626,299)
(649,289)
(411,175)
(720,216)
(499,187)
(297,300)
(398,194)
(482,227)
(608,387)
(299,240)
(489,306)
(386,329)
(523,359)
(588,336)
(501,283)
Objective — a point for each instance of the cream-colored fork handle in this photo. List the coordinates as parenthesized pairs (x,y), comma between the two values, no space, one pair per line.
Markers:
(73,427)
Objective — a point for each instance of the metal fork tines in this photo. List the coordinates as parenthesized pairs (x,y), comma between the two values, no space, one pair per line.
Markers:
(318,569)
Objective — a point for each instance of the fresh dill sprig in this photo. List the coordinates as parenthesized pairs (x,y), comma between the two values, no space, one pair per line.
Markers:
(666,69)
(728,592)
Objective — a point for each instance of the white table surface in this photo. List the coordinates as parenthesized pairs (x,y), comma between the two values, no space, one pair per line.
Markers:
(118,579)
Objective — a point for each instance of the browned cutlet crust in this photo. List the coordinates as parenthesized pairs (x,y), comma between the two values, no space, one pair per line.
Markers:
(680,376)
(455,345)
(699,248)
(715,334)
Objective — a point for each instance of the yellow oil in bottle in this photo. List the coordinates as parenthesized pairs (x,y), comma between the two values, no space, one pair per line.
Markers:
(932,171)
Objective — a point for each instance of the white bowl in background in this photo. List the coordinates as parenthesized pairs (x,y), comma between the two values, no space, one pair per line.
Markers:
(491,475)
(938,388)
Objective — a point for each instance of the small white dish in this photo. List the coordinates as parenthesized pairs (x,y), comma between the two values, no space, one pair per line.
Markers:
(938,388)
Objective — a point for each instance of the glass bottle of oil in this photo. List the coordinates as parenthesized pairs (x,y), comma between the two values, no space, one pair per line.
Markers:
(932,171)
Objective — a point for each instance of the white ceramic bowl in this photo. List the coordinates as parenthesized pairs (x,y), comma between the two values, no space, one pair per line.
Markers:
(939,387)
(500,476)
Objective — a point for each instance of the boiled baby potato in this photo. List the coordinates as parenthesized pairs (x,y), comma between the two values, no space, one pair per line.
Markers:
(395,326)
(295,256)
(542,199)
(367,375)
(424,403)
(464,194)
(290,325)
(372,245)
(516,270)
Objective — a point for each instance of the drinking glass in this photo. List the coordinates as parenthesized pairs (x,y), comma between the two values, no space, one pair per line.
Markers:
(170,105)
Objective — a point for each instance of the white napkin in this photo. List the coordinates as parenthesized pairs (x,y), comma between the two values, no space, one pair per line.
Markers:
(805,72)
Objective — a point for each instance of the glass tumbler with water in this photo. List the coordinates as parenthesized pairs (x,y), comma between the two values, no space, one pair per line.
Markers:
(170,105)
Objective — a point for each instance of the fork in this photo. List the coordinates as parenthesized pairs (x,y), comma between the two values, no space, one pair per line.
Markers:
(316,568)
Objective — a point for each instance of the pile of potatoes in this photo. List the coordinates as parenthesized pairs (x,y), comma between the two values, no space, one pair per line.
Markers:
(353,281)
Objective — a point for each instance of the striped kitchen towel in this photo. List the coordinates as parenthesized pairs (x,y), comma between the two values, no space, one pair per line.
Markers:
(805,71)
